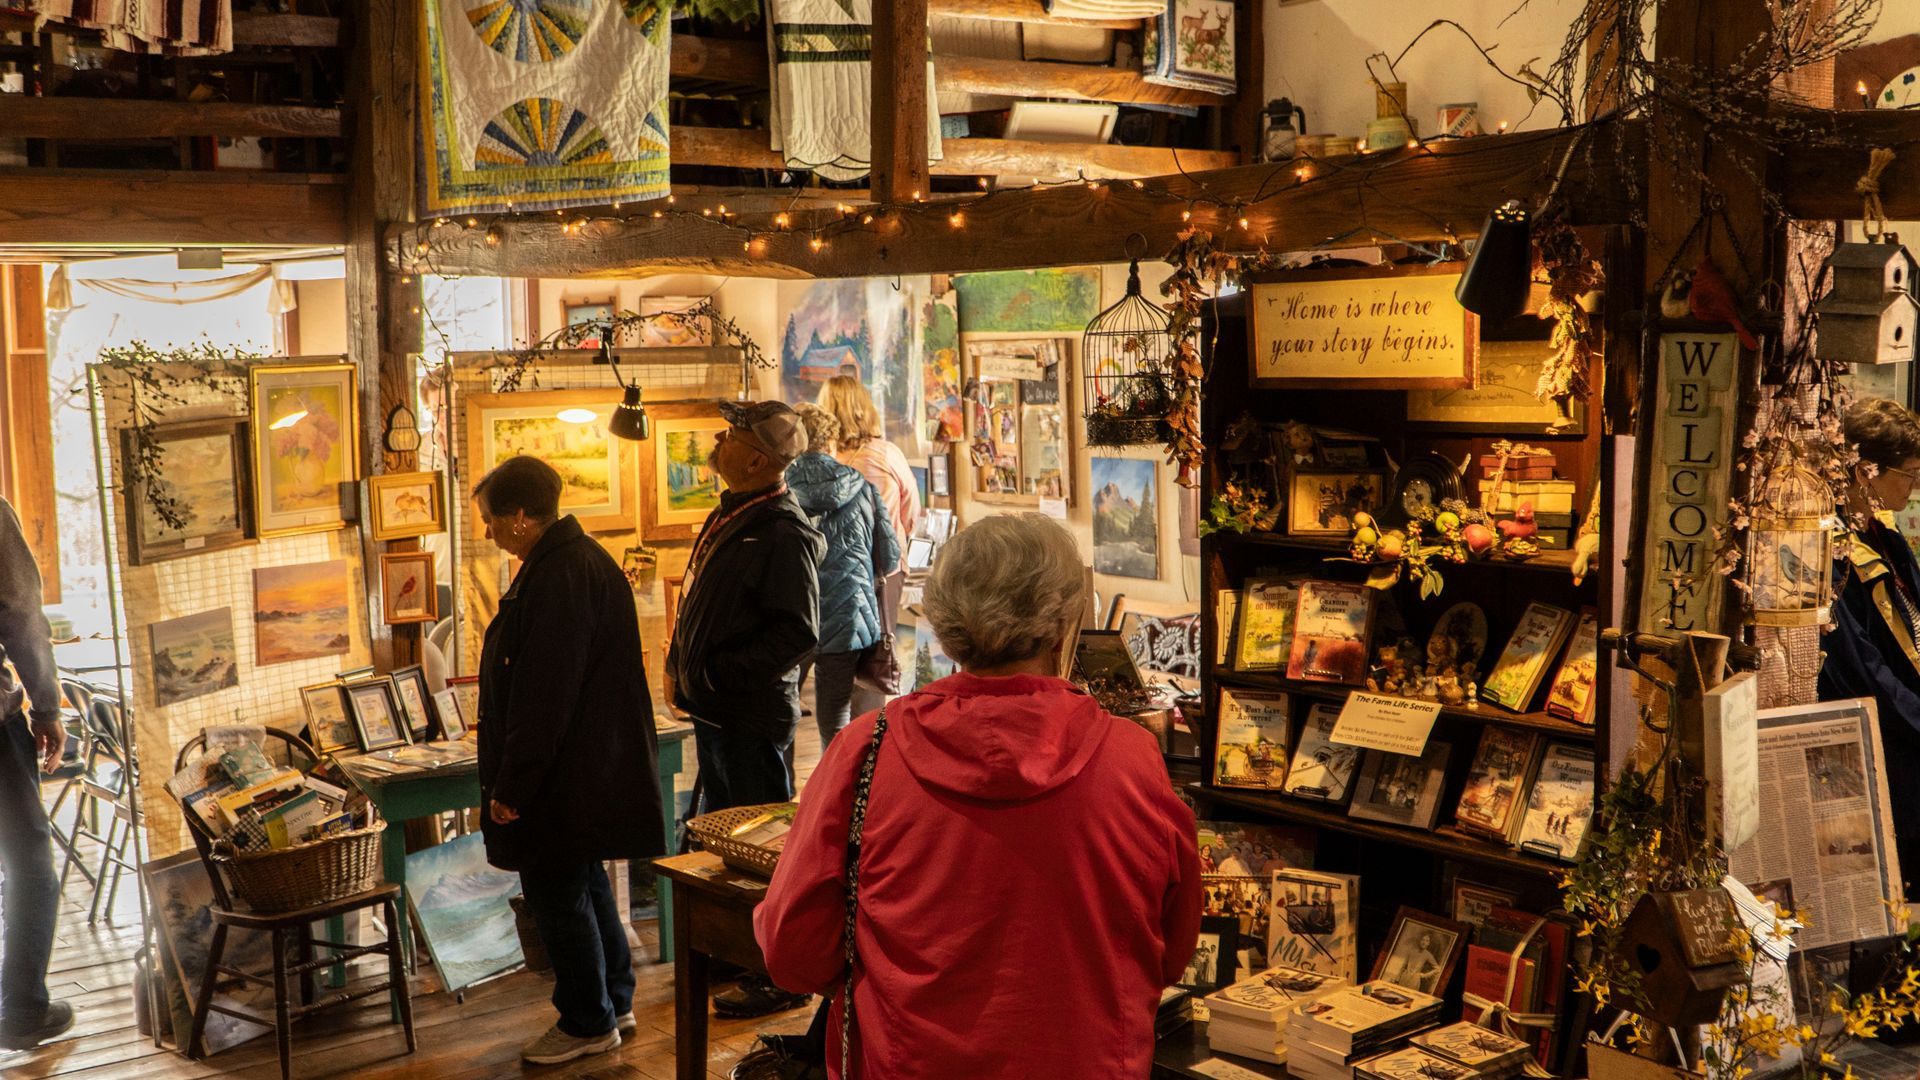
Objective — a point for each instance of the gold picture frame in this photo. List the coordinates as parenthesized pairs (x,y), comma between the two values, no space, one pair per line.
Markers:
(306,444)
(597,469)
(1020,431)
(673,426)
(408,593)
(402,505)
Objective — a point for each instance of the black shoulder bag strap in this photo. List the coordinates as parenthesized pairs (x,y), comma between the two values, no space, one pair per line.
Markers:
(862,788)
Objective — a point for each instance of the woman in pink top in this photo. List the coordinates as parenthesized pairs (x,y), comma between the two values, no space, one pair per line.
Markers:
(863,445)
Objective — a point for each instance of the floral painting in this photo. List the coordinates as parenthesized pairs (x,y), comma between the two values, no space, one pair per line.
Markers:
(193,655)
(301,612)
(305,429)
(460,903)
(1017,301)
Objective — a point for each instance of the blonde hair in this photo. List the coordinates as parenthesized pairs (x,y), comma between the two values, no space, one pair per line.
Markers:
(851,405)
(1004,589)
(822,429)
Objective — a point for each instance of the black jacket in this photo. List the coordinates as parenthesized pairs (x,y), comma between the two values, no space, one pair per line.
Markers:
(566,722)
(749,617)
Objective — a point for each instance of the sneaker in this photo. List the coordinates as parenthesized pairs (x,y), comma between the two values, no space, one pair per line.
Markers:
(557,1046)
(625,1024)
(15,1035)
(754,996)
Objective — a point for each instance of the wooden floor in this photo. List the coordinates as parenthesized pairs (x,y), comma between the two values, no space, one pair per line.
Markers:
(479,1038)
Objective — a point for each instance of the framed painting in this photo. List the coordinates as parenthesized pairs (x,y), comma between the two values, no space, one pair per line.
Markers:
(1501,401)
(567,429)
(301,612)
(415,700)
(1323,502)
(408,593)
(466,689)
(306,431)
(1126,517)
(446,707)
(1375,328)
(375,709)
(406,504)
(460,904)
(328,725)
(678,488)
(669,323)
(199,473)
(193,655)
(1018,426)
(589,311)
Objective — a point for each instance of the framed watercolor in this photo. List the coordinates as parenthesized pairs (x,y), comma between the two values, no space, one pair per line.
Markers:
(467,689)
(678,489)
(446,708)
(1375,328)
(375,709)
(460,903)
(669,325)
(201,471)
(306,434)
(328,724)
(1501,402)
(1216,956)
(589,311)
(596,469)
(406,504)
(410,683)
(1126,516)
(408,592)
(1322,502)
(1421,952)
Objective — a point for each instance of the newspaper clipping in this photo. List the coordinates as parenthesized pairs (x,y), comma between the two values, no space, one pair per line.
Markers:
(1821,777)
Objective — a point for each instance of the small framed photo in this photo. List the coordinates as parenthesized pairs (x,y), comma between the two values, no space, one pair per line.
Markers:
(406,504)
(416,701)
(940,475)
(328,725)
(1403,789)
(1421,951)
(1102,656)
(375,709)
(1473,902)
(670,323)
(467,688)
(589,311)
(408,592)
(919,553)
(1323,502)
(1216,956)
(446,705)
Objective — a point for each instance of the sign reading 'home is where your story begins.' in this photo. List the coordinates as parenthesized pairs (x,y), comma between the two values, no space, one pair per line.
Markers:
(1381,329)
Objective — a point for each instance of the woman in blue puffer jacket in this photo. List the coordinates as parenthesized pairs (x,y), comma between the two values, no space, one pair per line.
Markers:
(847,511)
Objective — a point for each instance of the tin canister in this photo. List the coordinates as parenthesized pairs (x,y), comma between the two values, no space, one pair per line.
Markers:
(1460,119)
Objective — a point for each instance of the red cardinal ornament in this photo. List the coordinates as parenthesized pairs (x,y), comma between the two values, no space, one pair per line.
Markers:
(1522,527)
(1711,300)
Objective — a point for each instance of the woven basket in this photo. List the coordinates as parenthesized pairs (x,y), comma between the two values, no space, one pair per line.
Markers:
(714,831)
(307,874)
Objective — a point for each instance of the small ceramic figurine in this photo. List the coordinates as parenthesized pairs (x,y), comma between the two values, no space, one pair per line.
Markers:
(1299,441)
(1449,691)
(1468,674)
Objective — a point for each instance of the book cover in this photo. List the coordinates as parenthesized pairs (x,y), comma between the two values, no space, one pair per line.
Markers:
(1561,803)
(1535,643)
(1235,847)
(1226,608)
(1252,744)
(1505,929)
(1496,784)
(1311,922)
(1486,978)
(1571,694)
(1263,626)
(1473,1046)
(1401,788)
(1367,1015)
(1321,768)
(1246,897)
(1331,628)
(1268,996)
(1411,1063)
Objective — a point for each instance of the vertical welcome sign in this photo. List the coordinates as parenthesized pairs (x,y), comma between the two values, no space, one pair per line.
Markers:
(1691,469)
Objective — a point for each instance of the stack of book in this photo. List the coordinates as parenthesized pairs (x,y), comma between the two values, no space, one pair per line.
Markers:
(1175,1012)
(1250,1017)
(1326,1038)
(1488,1055)
(246,800)
(1537,985)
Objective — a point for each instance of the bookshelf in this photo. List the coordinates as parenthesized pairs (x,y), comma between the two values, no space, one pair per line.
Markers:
(1484,713)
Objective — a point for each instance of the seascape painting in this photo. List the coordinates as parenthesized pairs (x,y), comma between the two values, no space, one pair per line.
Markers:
(1015,301)
(193,655)
(1126,517)
(305,428)
(855,326)
(301,612)
(460,905)
(182,898)
(198,474)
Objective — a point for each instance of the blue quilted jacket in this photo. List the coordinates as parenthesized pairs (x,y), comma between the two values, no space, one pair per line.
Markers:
(846,509)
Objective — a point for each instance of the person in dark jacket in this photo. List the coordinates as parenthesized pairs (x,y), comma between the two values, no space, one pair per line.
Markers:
(568,752)
(846,509)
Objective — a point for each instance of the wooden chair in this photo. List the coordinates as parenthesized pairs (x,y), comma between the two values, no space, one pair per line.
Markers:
(290,927)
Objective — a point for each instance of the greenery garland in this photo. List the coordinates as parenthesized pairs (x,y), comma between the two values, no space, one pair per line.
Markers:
(514,369)
(156,384)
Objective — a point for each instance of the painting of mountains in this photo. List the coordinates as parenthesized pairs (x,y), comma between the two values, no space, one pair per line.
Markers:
(182,898)
(1126,518)
(460,905)
(300,612)
(193,655)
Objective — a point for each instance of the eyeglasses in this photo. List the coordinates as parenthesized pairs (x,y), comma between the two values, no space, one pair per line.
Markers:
(1912,477)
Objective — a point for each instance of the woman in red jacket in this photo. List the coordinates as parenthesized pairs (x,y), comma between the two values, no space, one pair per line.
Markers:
(1028,881)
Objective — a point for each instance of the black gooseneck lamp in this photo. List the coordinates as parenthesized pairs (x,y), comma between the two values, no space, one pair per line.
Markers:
(1500,273)
(629,420)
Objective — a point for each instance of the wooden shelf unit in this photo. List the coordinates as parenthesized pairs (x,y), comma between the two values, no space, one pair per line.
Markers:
(1484,713)
(1556,559)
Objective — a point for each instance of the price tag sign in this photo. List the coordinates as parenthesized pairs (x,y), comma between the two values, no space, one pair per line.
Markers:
(1380,722)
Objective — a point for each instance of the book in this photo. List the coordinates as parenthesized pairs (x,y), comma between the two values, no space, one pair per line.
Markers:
(1227,1036)
(1547,496)
(232,802)
(1487,979)
(766,831)
(1226,608)
(1401,788)
(1410,1063)
(1367,1016)
(1263,624)
(1571,695)
(1546,945)
(1496,788)
(1251,750)
(1245,897)
(1536,641)
(1269,997)
(1321,768)
(1310,924)
(247,766)
(1332,625)
(1560,804)
(1485,1052)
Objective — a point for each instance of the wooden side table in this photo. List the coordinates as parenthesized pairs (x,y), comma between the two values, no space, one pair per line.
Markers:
(712,919)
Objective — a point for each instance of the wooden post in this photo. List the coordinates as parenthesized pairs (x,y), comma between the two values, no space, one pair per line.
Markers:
(26,414)
(899,71)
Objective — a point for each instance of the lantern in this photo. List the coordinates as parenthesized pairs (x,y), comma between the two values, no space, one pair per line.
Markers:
(1870,315)
(1125,356)
(1790,549)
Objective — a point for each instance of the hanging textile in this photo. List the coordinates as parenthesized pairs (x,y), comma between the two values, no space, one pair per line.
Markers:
(167,27)
(1103,9)
(542,104)
(823,87)
(178,292)
(1191,46)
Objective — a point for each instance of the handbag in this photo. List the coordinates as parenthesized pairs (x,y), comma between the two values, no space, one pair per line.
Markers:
(879,666)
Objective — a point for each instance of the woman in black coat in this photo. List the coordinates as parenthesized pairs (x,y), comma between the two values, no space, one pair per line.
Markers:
(567,749)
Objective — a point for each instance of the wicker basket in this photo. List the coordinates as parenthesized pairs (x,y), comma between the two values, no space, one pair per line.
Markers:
(306,874)
(715,833)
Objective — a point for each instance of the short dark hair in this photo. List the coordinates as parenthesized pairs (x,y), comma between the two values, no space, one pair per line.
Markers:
(521,483)
(1885,433)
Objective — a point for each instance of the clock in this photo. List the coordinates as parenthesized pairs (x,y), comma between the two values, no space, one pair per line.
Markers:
(1421,484)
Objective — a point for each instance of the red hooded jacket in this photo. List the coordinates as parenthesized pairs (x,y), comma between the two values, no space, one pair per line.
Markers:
(1028,884)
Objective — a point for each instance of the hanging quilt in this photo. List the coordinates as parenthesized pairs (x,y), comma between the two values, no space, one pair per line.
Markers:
(1191,46)
(169,27)
(823,87)
(542,104)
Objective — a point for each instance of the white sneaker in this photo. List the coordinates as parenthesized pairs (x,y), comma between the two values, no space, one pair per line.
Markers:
(625,1024)
(557,1046)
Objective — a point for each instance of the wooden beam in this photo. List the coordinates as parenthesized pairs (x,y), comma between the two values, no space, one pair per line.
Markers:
(28,441)
(747,148)
(1074,82)
(75,118)
(1818,185)
(899,87)
(1018,11)
(1246,109)
(720,59)
(270,30)
(111,206)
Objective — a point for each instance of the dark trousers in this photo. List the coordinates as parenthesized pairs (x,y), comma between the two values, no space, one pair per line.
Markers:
(28,885)
(741,768)
(837,698)
(586,938)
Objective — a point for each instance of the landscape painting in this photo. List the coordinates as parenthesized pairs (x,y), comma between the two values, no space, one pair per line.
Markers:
(859,327)
(678,486)
(594,466)
(182,898)
(930,661)
(1016,301)
(460,905)
(301,612)
(945,421)
(1126,517)
(193,655)
(201,476)
(305,429)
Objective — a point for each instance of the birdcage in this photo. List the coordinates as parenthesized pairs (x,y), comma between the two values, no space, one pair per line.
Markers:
(1125,356)
(1790,549)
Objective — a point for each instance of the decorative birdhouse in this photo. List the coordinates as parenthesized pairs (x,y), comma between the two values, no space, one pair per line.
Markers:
(1789,549)
(1870,315)
(1685,947)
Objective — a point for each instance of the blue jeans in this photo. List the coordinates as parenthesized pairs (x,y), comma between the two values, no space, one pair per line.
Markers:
(586,938)
(31,888)
(740,768)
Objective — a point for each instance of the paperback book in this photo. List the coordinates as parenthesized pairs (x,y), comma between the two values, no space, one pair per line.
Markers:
(1410,1063)
(1321,768)
(1369,1015)
(1311,923)
(1331,628)
(1561,803)
(1571,695)
(1270,996)
(1487,1053)
(1535,643)
(1263,624)
(1252,748)
(1495,793)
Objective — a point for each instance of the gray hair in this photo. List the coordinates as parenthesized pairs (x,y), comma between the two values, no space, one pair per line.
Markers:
(1003,590)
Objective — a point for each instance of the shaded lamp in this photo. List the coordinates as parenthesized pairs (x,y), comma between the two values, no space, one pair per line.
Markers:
(629,420)
(1500,273)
